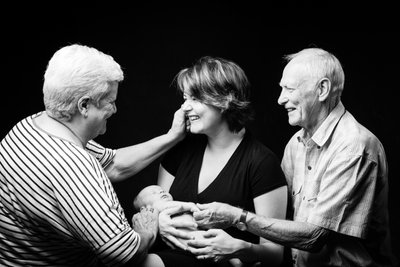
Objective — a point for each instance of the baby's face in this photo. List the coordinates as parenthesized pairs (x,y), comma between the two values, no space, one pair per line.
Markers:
(152,194)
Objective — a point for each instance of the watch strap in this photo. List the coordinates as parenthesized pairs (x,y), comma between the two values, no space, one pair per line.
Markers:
(243,216)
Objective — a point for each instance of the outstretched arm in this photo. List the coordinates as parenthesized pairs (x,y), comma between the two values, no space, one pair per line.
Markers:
(132,159)
(300,235)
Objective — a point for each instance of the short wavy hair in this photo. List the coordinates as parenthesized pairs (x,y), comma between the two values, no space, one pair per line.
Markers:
(222,84)
(75,71)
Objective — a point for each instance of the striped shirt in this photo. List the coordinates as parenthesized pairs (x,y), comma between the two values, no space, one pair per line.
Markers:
(57,205)
(338,180)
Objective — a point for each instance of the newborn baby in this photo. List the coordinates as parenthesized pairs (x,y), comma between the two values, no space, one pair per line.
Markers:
(154,196)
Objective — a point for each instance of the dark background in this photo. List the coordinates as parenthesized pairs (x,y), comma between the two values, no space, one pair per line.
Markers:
(152,43)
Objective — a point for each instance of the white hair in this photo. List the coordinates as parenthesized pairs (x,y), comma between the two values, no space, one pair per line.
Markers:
(323,64)
(75,71)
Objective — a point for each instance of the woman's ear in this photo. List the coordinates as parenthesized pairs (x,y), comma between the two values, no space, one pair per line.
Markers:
(83,105)
(324,89)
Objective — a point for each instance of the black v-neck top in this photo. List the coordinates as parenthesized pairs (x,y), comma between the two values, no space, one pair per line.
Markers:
(252,170)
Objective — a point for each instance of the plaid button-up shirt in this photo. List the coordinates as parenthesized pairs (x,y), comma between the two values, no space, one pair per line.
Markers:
(338,180)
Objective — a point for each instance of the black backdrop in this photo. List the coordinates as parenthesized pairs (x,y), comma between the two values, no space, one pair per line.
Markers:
(153,43)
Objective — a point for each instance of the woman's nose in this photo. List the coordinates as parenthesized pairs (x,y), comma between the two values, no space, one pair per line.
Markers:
(186,106)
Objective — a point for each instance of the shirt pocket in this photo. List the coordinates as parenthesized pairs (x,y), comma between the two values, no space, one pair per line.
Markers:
(311,194)
(296,192)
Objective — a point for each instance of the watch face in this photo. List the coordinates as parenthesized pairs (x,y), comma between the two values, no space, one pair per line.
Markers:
(241,226)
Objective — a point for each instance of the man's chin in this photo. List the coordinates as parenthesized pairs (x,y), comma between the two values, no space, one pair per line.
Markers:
(103,131)
(293,122)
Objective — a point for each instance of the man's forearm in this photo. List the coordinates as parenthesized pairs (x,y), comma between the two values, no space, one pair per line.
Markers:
(304,236)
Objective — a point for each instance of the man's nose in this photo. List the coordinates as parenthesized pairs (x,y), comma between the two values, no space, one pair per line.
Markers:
(282,99)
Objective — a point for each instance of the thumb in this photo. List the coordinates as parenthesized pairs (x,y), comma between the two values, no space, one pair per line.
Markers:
(202,206)
(211,233)
(198,215)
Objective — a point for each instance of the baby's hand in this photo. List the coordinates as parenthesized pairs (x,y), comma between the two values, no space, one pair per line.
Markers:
(189,206)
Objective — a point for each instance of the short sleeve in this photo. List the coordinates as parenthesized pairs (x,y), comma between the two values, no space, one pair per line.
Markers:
(91,210)
(172,158)
(102,154)
(267,174)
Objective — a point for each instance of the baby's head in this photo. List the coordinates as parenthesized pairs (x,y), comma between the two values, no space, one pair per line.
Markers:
(150,195)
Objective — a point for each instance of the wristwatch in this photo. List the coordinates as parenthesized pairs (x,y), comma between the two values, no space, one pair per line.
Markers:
(241,225)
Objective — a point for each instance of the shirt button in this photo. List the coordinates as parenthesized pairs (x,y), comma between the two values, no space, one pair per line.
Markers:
(309,167)
(318,147)
(304,198)
(293,193)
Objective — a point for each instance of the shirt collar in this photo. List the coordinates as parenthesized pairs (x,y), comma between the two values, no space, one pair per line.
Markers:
(326,129)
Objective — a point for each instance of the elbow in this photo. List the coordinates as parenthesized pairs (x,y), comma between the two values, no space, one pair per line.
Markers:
(119,173)
(317,241)
(113,174)
(313,247)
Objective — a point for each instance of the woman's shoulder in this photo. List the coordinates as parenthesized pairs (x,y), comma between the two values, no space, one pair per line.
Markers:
(256,147)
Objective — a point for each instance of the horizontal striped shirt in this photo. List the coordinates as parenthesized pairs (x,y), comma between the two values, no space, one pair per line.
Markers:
(338,180)
(57,205)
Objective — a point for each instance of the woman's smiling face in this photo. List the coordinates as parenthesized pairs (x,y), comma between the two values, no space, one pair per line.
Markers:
(203,118)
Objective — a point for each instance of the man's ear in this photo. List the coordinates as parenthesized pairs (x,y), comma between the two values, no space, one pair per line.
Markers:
(324,89)
(83,105)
